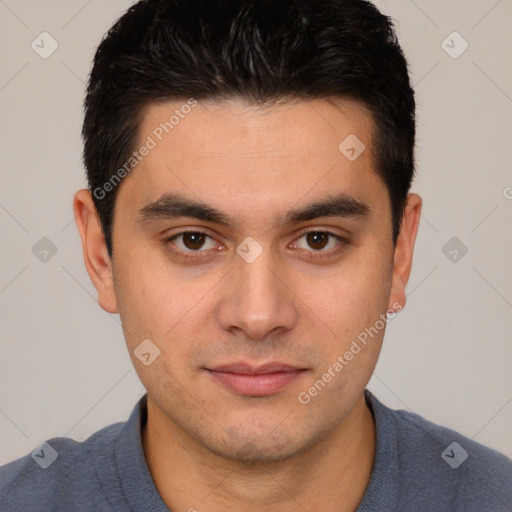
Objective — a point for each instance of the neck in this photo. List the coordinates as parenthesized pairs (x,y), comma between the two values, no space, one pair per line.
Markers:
(332,475)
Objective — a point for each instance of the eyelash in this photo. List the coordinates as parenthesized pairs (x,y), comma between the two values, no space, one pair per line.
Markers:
(313,254)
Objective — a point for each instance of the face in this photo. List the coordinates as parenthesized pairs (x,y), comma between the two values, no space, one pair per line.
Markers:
(245,237)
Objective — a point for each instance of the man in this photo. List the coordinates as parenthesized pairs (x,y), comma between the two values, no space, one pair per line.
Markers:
(249,217)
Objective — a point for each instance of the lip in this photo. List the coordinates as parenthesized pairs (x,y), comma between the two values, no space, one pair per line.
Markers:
(244,368)
(252,380)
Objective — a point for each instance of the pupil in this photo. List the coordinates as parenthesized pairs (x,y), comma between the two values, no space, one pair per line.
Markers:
(317,240)
(193,241)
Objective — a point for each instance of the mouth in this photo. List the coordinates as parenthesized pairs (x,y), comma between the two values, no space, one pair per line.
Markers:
(253,380)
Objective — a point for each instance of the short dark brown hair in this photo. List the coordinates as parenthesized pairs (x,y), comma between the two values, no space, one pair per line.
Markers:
(262,51)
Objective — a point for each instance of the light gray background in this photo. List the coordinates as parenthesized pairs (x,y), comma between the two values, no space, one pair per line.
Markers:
(64,369)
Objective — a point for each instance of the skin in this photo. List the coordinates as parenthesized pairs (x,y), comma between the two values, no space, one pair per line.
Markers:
(207,447)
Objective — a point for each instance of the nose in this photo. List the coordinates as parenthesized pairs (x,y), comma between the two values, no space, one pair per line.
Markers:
(256,299)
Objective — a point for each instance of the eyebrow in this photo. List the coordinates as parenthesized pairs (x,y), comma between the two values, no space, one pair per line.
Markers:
(173,206)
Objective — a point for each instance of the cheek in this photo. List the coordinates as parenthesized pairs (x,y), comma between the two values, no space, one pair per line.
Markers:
(145,304)
(165,304)
(349,329)
(153,307)
(350,298)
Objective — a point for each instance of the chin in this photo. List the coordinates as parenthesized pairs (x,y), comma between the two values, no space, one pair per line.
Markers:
(260,448)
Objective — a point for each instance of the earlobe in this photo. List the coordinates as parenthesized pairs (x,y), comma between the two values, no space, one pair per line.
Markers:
(404,252)
(96,257)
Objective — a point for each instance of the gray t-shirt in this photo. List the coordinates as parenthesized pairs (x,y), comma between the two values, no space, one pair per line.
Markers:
(418,466)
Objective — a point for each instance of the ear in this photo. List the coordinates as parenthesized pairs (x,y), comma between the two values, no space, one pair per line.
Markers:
(96,257)
(403,252)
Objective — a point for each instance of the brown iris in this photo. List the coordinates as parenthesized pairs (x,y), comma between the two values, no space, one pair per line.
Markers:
(317,239)
(193,241)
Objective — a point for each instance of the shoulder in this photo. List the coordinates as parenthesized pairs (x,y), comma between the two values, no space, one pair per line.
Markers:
(441,465)
(57,472)
(456,449)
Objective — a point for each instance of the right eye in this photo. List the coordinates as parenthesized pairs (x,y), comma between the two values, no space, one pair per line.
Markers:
(193,241)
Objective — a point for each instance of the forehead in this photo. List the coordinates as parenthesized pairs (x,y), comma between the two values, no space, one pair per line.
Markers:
(293,127)
(235,155)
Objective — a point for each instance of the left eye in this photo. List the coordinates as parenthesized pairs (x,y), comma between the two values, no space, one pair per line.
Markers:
(193,241)
(317,240)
